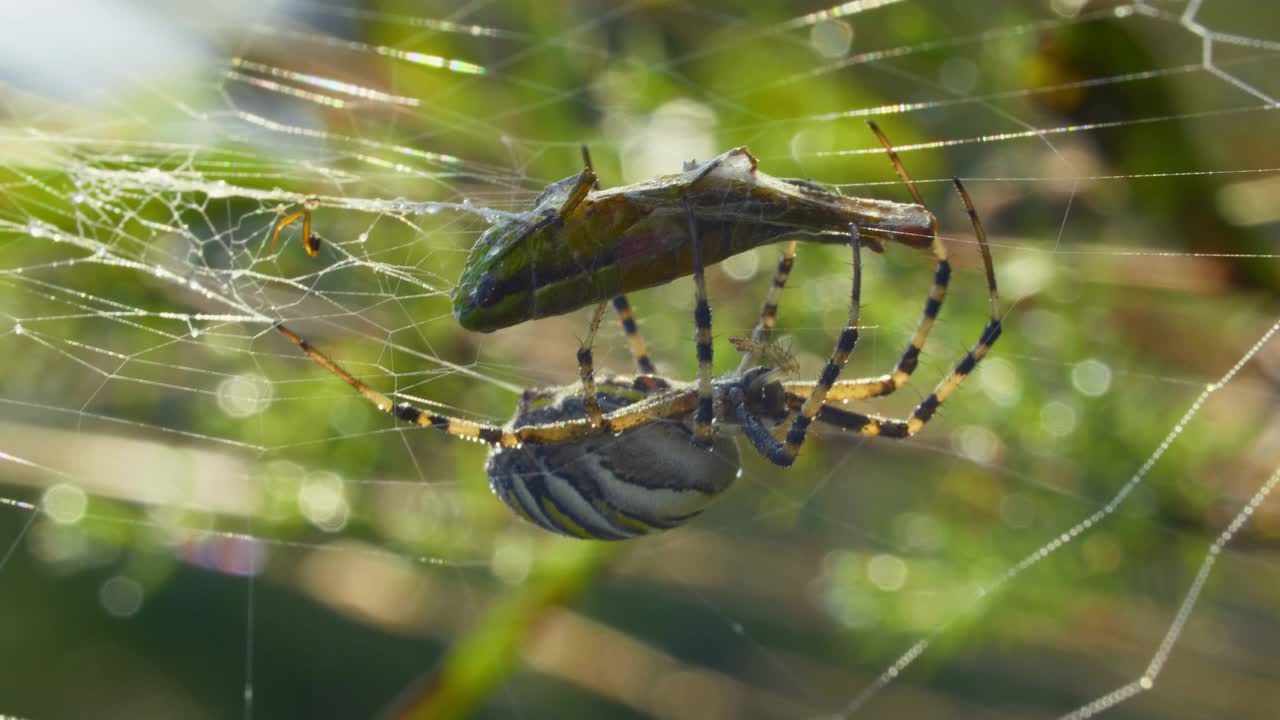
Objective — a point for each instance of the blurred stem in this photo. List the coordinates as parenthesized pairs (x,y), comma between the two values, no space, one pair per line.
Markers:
(481,660)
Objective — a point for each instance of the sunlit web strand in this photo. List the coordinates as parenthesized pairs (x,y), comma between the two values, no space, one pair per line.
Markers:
(282,89)
(904,108)
(1042,132)
(200,533)
(920,646)
(741,38)
(78,412)
(1148,679)
(445,26)
(329,84)
(187,183)
(1208,38)
(414,58)
(984,37)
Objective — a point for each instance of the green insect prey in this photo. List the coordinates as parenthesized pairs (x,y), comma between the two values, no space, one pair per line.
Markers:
(579,245)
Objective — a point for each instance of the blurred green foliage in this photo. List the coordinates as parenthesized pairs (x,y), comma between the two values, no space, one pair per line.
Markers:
(421,596)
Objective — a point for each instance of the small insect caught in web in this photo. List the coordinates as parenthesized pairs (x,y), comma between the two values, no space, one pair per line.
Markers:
(310,240)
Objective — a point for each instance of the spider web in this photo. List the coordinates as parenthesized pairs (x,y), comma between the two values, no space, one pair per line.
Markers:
(198,521)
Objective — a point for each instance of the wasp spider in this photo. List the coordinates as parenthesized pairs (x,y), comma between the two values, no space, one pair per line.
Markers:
(639,454)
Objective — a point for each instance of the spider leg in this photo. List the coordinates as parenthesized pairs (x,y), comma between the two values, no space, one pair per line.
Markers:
(702,429)
(784,452)
(886,384)
(587,182)
(586,370)
(769,310)
(489,434)
(675,403)
(639,350)
(889,427)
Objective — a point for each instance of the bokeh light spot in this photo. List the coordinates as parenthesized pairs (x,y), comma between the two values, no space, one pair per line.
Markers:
(887,572)
(65,503)
(244,395)
(1058,418)
(831,38)
(1091,377)
(120,596)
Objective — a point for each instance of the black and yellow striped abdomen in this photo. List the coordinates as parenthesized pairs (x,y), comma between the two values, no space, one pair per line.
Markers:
(612,487)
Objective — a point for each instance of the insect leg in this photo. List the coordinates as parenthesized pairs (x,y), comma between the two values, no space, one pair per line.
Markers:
(769,310)
(702,429)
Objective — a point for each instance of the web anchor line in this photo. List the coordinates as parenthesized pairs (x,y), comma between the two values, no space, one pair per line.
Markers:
(919,647)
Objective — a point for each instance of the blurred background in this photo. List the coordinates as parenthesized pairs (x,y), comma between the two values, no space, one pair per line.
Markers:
(197,521)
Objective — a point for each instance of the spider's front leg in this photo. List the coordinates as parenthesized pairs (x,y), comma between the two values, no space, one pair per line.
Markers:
(769,310)
(783,452)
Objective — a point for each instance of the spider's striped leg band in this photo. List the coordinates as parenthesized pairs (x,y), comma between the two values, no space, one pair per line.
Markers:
(864,388)
(888,427)
(893,428)
(887,384)
(488,434)
(784,452)
(702,429)
(786,455)
(769,310)
(639,350)
(587,371)
(990,333)
(673,404)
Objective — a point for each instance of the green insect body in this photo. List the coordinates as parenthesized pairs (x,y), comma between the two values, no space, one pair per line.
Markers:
(579,246)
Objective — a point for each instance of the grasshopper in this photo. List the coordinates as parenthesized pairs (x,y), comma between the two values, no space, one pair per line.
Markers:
(580,245)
